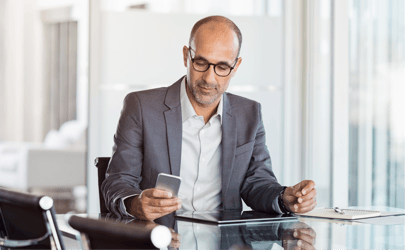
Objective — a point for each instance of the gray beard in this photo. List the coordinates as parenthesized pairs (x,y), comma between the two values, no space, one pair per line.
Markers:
(198,97)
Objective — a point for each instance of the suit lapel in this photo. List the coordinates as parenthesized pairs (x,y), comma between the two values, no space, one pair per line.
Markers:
(228,145)
(174,126)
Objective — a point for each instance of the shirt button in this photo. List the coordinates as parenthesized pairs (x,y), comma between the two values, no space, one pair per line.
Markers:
(202,132)
(203,159)
(198,189)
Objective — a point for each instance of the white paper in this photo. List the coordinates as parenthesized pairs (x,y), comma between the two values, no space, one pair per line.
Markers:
(384,220)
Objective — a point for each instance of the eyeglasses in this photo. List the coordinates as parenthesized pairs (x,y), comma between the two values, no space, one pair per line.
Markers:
(202,65)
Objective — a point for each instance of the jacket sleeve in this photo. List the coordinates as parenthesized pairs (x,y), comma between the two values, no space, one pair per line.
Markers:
(260,189)
(123,175)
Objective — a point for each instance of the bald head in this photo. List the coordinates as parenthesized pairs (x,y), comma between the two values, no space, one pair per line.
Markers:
(217,22)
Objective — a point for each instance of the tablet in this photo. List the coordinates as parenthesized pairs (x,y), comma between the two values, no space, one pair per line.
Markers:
(231,216)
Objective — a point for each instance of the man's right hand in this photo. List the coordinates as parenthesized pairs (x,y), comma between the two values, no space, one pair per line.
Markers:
(152,204)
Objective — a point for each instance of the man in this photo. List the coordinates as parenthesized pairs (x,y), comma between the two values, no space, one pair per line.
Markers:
(214,141)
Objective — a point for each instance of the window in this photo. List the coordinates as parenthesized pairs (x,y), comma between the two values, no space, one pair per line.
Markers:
(376,102)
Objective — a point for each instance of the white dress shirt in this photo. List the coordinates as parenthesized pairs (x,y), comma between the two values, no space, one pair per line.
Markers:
(201,151)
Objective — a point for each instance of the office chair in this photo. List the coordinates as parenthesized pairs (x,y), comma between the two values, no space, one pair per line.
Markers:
(28,221)
(101,163)
(104,234)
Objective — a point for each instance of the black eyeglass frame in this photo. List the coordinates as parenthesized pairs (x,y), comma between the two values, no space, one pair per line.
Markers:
(209,64)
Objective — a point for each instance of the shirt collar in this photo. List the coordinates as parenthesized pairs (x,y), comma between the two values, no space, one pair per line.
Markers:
(187,109)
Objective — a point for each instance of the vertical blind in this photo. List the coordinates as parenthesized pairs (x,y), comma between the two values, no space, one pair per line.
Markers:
(60,49)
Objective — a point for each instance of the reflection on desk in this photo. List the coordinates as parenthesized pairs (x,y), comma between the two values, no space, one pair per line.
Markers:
(309,233)
(248,236)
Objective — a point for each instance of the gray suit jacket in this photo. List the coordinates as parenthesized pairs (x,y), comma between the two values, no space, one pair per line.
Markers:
(149,138)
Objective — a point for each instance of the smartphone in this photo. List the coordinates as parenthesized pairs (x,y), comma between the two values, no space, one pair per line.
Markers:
(169,183)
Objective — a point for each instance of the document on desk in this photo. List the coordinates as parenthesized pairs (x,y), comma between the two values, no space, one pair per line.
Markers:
(391,220)
(331,221)
(343,214)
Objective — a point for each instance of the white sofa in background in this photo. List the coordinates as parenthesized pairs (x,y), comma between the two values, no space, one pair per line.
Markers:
(58,162)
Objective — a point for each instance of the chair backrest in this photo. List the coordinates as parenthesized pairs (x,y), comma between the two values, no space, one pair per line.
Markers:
(105,234)
(28,221)
(101,163)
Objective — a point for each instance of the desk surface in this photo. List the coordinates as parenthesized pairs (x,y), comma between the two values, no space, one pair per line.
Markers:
(381,233)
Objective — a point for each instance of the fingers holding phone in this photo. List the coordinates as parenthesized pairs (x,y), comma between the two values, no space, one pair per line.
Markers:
(156,202)
(153,203)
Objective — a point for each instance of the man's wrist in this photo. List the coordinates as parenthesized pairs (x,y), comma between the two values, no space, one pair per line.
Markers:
(282,204)
(128,204)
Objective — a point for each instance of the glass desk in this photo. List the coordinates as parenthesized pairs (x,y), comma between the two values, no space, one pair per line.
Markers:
(378,233)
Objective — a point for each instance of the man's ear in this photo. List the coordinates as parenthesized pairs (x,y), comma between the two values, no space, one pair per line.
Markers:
(185,55)
(236,66)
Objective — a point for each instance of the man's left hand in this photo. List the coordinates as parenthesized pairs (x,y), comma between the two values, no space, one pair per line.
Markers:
(300,198)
